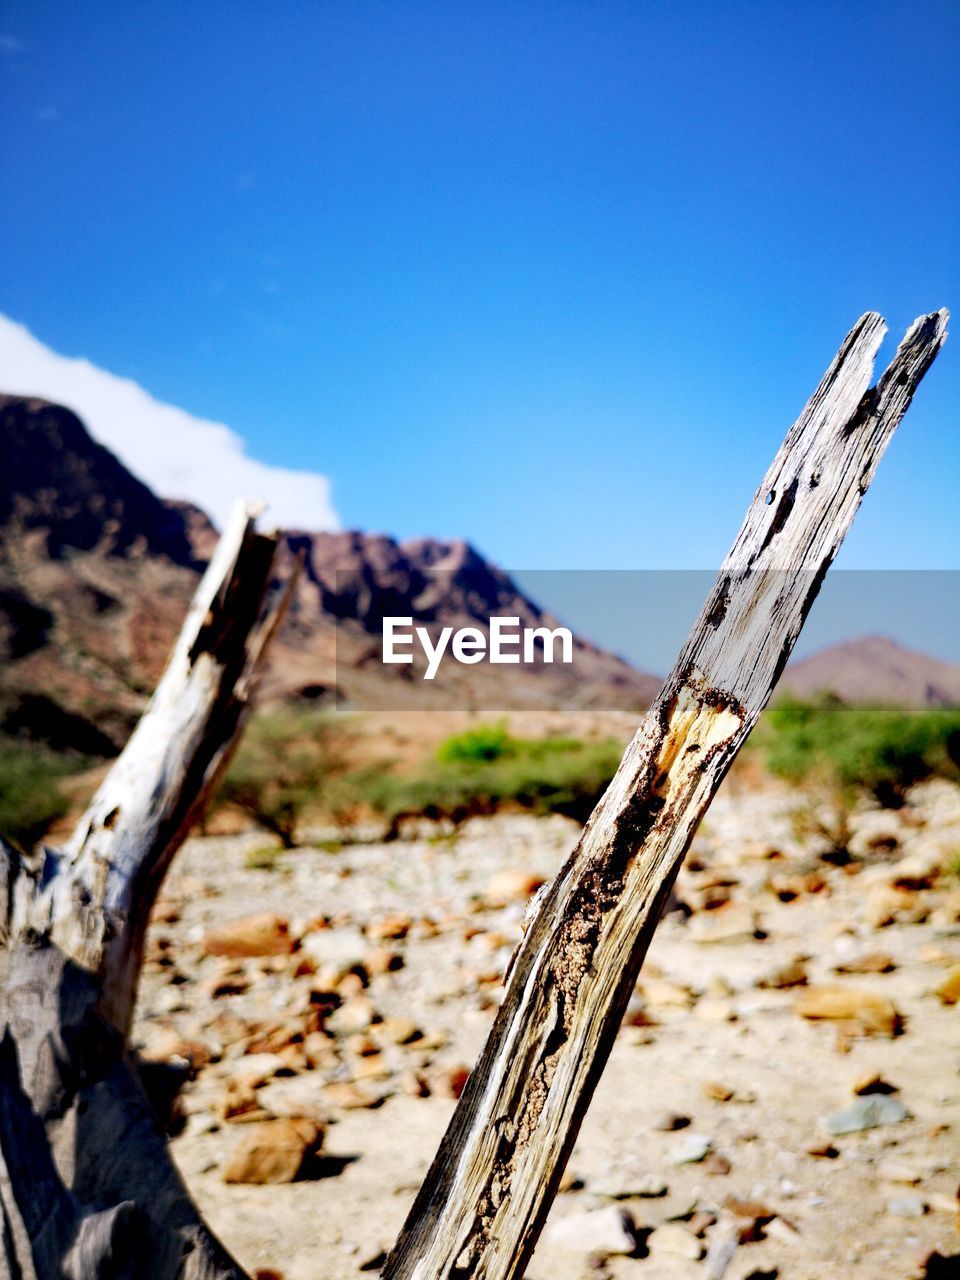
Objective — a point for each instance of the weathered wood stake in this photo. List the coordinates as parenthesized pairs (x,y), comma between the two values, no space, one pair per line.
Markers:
(87,1187)
(484,1200)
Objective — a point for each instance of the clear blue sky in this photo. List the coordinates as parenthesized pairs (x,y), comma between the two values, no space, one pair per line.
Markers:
(553,277)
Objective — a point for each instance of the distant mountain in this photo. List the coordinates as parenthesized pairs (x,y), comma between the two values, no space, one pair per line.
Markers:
(875,669)
(96,572)
(62,491)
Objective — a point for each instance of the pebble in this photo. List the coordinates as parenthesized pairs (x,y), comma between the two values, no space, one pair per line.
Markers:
(672,1238)
(874,1013)
(273,1151)
(605,1232)
(265,934)
(690,1149)
(871,1111)
(621,1186)
(949,989)
(514,884)
(908,1206)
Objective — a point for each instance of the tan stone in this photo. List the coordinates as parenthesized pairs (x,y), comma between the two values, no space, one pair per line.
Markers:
(349,1097)
(672,1238)
(382,960)
(662,993)
(872,962)
(886,905)
(514,884)
(717,1091)
(728,924)
(273,1151)
(255,1068)
(875,1014)
(259,935)
(397,1031)
(792,974)
(949,989)
(388,928)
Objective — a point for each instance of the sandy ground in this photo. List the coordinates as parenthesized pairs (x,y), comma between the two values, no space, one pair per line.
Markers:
(704,1030)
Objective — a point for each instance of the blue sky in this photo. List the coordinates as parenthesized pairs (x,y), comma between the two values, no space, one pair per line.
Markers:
(554,278)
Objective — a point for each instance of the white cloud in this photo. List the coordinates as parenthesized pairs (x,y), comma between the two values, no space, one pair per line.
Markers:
(176,454)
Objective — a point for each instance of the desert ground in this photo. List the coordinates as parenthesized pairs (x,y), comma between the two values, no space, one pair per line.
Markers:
(781,1101)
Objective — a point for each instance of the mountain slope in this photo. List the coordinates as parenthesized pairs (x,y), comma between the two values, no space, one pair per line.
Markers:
(96,573)
(875,669)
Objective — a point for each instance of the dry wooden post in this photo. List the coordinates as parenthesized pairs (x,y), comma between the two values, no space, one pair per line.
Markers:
(87,1186)
(484,1200)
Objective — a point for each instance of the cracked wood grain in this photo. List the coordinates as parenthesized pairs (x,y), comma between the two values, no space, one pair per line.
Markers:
(487,1194)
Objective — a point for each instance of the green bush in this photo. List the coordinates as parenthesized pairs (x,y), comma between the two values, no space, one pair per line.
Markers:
(288,762)
(479,745)
(484,770)
(880,749)
(30,797)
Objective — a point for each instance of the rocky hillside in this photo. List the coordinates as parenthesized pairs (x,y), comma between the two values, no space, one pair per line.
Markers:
(876,669)
(96,572)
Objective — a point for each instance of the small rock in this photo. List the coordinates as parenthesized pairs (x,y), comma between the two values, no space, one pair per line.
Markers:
(944,1203)
(793,974)
(875,1014)
(869,1112)
(669,1122)
(717,1164)
(349,1097)
(872,962)
(782,1231)
(701,1222)
(388,928)
(336,951)
(661,993)
(382,960)
(690,1149)
(728,924)
(254,1069)
(823,1151)
(273,1151)
(717,1091)
(752,1216)
(893,1171)
(295,1097)
(514,884)
(415,1084)
(354,1016)
(949,989)
(672,1238)
(716,1010)
(258,935)
(620,1186)
(605,1232)
(908,1206)
(398,1031)
(886,905)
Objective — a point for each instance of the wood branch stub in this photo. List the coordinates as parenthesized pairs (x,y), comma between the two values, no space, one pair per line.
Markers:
(485,1198)
(76,1127)
(100,887)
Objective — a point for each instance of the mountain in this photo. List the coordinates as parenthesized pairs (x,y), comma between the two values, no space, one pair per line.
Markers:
(96,572)
(875,669)
(61,491)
